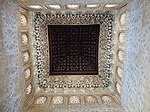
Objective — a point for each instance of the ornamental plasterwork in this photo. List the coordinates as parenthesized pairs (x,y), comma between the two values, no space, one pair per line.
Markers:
(41,100)
(90,99)
(23,20)
(72,83)
(57,100)
(24,39)
(106,99)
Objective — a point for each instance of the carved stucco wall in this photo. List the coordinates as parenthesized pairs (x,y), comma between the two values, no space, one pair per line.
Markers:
(11,82)
(136,80)
(64,2)
(135,87)
(79,108)
(146,20)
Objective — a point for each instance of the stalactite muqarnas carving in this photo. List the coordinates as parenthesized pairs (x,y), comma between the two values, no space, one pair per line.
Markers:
(41,49)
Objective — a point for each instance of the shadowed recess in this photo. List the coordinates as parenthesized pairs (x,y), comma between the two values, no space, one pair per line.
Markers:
(73,49)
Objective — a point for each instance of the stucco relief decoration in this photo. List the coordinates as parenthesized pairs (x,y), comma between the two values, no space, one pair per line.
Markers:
(29,89)
(74,100)
(41,100)
(26,57)
(118,87)
(120,55)
(74,83)
(27,73)
(121,37)
(58,100)
(123,18)
(119,71)
(90,99)
(24,39)
(23,20)
(106,99)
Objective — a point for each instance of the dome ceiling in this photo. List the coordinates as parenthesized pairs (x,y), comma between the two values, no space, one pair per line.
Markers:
(35,45)
(69,83)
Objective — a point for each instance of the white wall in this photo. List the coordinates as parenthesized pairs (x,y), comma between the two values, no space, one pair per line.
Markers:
(11,91)
(137,58)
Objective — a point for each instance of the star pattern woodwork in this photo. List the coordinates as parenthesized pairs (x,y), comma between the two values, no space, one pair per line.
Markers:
(74,49)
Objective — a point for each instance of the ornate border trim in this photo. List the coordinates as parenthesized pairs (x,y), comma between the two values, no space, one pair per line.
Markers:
(68,84)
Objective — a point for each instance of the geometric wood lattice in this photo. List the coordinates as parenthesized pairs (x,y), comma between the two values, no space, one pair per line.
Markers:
(73,49)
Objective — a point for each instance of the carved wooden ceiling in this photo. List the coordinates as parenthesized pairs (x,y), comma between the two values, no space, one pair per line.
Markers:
(73,49)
